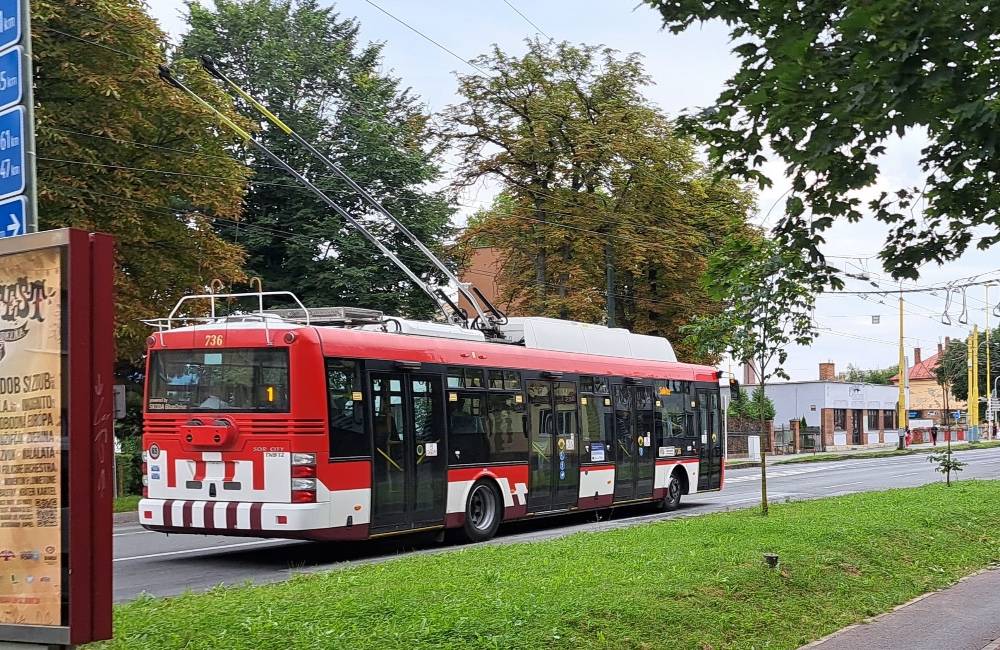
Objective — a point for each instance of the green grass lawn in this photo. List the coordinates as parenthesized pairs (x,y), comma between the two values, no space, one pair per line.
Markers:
(888,453)
(697,582)
(128,503)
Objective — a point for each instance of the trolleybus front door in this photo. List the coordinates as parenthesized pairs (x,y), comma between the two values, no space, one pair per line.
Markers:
(409,464)
(554,453)
(710,440)
(635,459)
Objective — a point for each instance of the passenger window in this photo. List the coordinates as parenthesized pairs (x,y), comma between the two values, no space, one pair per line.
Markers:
(507,436)
(505,380)
(596,430)
(467,438)
(348,437)
(465,378)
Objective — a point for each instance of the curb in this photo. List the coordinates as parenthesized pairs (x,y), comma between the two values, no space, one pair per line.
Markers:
(122,518)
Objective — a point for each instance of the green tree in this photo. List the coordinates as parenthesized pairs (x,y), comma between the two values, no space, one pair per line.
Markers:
(767,306)
(760,406)
(953,366)
(825,85)
(594,179)
(739,406)
(121,152)
(306,63)
(871,376)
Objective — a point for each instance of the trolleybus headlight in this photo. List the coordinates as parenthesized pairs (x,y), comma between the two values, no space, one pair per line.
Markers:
(303,484)
(303,459)
(289,337)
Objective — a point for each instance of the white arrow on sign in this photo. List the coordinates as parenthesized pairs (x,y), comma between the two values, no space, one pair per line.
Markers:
(15,226)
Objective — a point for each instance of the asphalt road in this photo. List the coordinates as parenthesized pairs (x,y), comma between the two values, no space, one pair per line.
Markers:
(164,565)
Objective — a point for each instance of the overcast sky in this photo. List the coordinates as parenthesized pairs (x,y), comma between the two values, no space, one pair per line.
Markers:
(689,71)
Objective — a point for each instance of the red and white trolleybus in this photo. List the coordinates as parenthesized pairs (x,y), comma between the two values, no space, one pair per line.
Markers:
(351,425)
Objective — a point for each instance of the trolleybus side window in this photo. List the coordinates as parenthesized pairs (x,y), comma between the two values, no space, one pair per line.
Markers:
(348,437)
(465,377)
(507,423)
(670,421)
(597,427)
(467,428)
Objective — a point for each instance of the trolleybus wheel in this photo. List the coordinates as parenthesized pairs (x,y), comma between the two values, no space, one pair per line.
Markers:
(482,512)
(673,498)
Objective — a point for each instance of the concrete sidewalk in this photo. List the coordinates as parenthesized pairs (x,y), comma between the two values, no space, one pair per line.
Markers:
(962,617)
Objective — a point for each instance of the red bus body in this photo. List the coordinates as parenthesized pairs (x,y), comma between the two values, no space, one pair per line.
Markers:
(231,473)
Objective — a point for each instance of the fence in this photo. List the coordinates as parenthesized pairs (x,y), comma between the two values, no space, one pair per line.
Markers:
(737,434)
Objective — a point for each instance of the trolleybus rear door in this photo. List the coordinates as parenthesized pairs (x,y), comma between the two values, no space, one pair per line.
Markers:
(408,466)
(636,459)
(554,453)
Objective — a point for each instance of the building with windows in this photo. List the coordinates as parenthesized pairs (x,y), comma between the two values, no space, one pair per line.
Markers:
(845,414)
(927,397)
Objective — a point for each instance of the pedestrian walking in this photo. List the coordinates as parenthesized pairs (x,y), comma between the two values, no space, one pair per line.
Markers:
(934,432)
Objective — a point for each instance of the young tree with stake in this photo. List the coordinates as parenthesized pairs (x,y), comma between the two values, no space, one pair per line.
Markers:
(768,305)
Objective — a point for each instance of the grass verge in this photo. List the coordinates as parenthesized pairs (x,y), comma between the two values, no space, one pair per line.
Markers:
(128,503)
(887,453)
(697,582)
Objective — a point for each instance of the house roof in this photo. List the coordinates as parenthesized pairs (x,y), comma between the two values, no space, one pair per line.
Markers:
(922,370)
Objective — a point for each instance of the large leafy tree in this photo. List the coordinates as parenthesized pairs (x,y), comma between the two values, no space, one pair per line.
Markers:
(601,198)
(827,84)
(305,63)
(768,306)
(121,152)
(952,369)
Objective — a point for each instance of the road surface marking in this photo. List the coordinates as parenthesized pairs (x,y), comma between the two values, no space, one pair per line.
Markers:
(845,484)
(134,532)
(197,550)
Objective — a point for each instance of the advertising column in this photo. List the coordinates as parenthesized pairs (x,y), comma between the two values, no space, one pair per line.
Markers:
(30,438)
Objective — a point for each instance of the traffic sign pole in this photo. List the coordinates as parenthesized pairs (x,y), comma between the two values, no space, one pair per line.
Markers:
(28,101)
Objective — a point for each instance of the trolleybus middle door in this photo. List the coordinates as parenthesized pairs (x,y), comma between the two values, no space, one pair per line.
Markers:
(408,466)
(554,453)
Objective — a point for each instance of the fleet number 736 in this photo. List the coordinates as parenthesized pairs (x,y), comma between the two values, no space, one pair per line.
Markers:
(213,340)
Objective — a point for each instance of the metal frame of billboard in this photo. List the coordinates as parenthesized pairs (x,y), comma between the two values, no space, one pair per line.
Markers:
(87,442)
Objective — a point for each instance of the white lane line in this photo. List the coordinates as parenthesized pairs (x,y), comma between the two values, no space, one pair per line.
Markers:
(845,484)
(197,550)
(134,532)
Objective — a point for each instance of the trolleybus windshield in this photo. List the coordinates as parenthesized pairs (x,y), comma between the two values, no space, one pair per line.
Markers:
(219,380)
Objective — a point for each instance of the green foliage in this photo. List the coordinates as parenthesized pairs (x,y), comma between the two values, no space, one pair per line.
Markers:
(93,103)
(767,304)
(872,376)
(307,65)
(946,463)
(739,407)
(802,423)
(593,176)
(595,589)
(760,406)
(825,85)
(952,369)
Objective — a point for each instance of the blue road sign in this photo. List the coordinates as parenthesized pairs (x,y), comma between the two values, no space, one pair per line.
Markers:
(12,152)
(10,22)
(957,415)
(12,213)
(10,77)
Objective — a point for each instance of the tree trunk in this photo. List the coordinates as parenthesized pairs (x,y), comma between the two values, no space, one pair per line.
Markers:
(763,460)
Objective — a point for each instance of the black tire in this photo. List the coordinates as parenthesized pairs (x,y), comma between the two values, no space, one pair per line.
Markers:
(483,512)
(672,500)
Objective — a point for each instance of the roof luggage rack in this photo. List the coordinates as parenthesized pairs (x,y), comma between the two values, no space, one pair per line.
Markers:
(342,316)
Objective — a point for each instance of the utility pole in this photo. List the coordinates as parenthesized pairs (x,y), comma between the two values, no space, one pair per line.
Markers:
(609,269)
(903,375)
(989,383)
